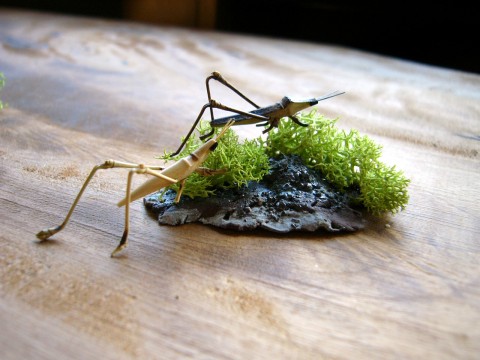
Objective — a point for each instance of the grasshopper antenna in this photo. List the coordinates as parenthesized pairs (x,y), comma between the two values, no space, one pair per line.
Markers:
(330,95)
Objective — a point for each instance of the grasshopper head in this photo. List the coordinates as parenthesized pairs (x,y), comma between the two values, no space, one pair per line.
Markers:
(294,107)
(203,151)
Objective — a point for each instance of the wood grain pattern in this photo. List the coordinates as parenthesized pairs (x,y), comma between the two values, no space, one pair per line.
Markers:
(81,91)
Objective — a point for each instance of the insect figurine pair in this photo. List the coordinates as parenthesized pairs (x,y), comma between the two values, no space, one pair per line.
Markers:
(179,171)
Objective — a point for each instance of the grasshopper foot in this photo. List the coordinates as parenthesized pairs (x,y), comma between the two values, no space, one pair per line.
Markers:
(122,245)
(117,250)
(46,233)
(298,122)
(206,136)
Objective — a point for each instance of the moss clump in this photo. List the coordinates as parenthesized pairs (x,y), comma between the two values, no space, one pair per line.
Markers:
(2,84)
(345,158)
(244,162)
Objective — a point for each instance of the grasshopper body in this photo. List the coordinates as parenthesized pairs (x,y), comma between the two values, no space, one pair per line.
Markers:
(161,178)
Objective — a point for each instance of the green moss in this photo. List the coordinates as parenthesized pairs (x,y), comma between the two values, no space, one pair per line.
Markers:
(345,158)
(245,161)
(2,84)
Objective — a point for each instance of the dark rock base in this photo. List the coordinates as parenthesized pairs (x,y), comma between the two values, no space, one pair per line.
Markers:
(291,197)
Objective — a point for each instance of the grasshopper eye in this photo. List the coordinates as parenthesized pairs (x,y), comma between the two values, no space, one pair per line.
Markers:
(213,147)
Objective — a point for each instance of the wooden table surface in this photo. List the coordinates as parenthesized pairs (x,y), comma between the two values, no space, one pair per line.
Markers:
(80,91)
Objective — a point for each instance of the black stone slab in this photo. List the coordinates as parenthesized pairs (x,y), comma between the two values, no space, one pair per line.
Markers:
(292,197)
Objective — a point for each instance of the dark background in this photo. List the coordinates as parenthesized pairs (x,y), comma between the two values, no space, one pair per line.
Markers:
(443,34)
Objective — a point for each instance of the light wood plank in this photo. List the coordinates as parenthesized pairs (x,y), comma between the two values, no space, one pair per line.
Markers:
(81,91)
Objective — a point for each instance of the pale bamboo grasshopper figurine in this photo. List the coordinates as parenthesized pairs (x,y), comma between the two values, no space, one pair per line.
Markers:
(162,177)
(268,115)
